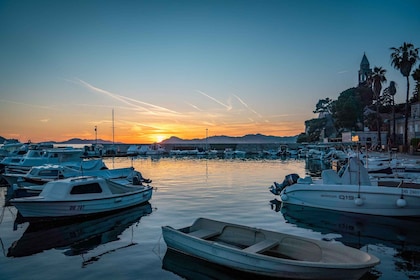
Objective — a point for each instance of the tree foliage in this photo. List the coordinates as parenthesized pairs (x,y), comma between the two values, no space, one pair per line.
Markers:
(347,110)
(314,129)
(324,106)
(416,77)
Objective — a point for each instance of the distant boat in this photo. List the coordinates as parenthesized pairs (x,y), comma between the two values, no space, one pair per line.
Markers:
(81,196)
(268,253)
(228,152)
(133,150)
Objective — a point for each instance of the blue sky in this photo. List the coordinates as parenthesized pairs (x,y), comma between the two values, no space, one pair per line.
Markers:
(177,68)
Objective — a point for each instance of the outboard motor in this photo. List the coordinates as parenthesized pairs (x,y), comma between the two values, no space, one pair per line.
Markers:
(288,181)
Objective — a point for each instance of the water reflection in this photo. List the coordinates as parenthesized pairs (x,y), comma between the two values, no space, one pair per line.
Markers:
(76,237)
(402,236)
(357,230)
(192,268)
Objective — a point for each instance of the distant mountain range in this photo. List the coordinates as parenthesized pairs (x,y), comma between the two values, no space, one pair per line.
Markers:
(250,138)
(73,141)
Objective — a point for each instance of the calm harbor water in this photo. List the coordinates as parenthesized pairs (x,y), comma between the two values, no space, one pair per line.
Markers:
(129,245)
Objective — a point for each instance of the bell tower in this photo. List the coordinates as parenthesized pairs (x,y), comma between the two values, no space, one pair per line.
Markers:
(365,71)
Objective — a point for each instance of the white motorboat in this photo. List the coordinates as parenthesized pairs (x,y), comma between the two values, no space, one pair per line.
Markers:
(79,196)
(41,174)
(35,157)
(353,192)
(268,253)
(33,183)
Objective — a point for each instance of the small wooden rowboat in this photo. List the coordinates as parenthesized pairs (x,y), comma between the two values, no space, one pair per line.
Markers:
(268,253)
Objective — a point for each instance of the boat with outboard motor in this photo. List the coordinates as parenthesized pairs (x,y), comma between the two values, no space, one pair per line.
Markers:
(351,190)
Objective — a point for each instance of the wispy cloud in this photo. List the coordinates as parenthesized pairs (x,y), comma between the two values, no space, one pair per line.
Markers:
(228,107)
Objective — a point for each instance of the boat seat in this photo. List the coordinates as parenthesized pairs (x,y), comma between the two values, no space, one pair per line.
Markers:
(330,177)
(204,233)
(306,180)
(261,246)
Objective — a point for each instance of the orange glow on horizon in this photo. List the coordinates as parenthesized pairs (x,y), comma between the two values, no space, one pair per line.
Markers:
(153,134)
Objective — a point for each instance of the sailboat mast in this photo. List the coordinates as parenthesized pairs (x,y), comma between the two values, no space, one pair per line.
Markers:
(113,142)
(207,145)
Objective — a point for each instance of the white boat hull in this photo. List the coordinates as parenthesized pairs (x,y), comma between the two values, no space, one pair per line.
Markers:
(38,207)
(373,200)
(216,251)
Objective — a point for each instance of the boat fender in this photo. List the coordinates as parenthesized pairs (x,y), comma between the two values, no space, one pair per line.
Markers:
(284,197)
(401,202)
(358,201)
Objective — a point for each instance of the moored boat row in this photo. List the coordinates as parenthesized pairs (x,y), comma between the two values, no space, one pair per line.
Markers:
(85,188)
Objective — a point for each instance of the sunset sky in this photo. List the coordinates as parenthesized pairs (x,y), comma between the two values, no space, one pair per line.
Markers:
(177,68)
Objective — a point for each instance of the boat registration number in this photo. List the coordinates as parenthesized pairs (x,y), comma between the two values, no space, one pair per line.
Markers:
(346,197)
(341,196)
(76,207)
(411,191)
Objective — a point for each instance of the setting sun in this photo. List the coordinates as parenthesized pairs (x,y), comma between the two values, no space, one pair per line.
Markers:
(160,138)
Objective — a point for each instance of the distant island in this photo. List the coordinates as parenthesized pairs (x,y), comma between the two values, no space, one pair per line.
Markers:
(222,139)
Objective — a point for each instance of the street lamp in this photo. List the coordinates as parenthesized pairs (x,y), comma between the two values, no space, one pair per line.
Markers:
(393,91)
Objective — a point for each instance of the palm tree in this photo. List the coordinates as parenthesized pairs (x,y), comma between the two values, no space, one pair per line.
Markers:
(378,77)
(403,59)
(416,77)
(388,99)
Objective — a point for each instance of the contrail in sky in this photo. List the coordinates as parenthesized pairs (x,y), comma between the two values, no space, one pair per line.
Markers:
(246,105)
(125,99)
(115,96)
(215,100)
(148,104)
(195,107)
(28,104)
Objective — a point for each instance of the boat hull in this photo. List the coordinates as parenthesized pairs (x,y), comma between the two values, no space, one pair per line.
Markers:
(372,200)
(38,207)
(266,265)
